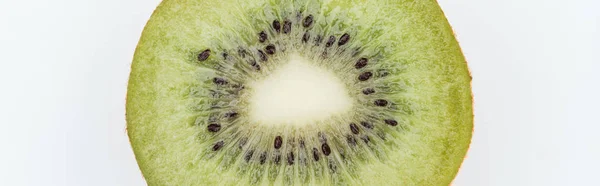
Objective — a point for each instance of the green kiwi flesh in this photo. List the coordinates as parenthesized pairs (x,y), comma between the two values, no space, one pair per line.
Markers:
(394,108)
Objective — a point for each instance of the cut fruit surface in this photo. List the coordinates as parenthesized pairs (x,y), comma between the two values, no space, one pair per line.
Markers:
(303,92)
(298,93)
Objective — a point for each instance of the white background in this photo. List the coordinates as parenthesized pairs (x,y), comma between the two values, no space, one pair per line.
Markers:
(65,63)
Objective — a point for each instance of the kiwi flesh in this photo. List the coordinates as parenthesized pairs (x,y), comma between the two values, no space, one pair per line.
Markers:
(302,92)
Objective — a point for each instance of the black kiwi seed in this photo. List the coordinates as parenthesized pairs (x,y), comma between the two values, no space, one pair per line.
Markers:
(218,145)
(344,39)
(278,142)
(290,158)
(366,124)
(391,122)
(262,36)
(325,148)
(330,41)
(362,62)
(305,37)
(354,128)
(368,91)
(277,25)
(220,81)
(351,140)
(214,127)
(270,49)
(381,102)
(315,154)
(263,158)
(287,27)
(301,143)
(365,76)
(307,21)
(262,55)
(248,155)
(204,55)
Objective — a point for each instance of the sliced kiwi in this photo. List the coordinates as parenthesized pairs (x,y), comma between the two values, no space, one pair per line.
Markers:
(303,92)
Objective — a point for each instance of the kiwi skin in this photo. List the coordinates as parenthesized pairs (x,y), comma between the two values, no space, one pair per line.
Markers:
(152,109)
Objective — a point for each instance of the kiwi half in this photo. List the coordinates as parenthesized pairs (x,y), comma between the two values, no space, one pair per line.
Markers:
(302,92)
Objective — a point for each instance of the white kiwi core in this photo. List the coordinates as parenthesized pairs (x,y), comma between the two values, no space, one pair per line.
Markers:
(298,93)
